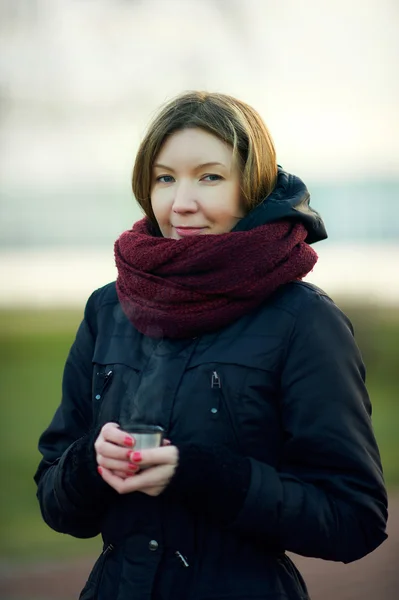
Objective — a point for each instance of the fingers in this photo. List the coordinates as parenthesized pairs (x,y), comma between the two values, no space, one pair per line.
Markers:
(113,479)
(125,465)
(132,461)
(156,476)
(113,442)
(113,448)
(121,474)
(164,455)
(118,461)
(153,491)
(110,450)
(151,481)
(112,433)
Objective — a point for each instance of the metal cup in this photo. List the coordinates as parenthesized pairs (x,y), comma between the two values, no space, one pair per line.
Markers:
(146,436)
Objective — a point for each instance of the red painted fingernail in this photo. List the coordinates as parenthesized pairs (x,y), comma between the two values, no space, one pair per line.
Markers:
(136,456)
(99,469)
(128,441)
(129,452)
(133,467)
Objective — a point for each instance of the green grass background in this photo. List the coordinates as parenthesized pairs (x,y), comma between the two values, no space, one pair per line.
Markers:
(33,348)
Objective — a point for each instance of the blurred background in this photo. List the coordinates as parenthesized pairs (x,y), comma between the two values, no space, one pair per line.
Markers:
(79,82)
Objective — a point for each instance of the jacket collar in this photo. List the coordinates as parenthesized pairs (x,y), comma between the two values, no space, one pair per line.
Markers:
(290,200)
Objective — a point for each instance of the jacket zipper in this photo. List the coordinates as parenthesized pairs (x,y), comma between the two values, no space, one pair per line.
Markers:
(103,557)
(216,384)
(107,380)
(182,559)
(107,550)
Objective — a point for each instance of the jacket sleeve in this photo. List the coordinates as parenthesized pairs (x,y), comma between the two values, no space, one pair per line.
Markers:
(71,494)
(327,499)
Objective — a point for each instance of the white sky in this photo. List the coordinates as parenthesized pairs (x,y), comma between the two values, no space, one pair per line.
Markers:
(80,84)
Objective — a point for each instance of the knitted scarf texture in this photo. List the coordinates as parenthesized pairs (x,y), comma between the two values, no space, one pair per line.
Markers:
(199,284)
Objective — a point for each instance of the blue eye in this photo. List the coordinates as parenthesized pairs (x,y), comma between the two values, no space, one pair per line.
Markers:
(165,178)
(213,177)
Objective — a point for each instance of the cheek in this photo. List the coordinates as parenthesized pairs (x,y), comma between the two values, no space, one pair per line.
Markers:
(224,208)
(159,206)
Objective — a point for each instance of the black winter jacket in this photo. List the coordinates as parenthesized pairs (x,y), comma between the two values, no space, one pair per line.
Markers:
(279,393)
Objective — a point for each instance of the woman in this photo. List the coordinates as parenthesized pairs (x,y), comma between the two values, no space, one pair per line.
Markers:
(210,333)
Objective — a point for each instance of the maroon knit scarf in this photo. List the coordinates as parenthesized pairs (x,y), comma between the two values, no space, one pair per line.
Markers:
(182,288)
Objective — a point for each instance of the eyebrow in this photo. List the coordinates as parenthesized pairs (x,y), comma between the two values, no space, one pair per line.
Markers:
(201,166)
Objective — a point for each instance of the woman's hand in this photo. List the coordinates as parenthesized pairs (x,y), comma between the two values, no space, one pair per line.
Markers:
(119,464)
(113,449)
(160,466)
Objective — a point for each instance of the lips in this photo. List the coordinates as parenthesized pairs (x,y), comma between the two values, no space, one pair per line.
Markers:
(187,231)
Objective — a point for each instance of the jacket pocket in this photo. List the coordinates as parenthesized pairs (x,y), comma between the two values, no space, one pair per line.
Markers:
(221,405)
(113,391)
(91,589)
(102,378)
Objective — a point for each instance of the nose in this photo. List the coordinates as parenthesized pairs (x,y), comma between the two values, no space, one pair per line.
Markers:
(184,200)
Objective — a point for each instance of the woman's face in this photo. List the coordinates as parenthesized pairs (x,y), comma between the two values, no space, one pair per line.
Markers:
(196,186)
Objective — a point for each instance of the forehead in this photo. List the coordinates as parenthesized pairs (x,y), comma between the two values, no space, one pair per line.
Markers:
(194,145)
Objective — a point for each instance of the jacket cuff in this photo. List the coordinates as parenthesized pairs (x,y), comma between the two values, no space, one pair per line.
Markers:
(78,481)
(262,510)
(211,481)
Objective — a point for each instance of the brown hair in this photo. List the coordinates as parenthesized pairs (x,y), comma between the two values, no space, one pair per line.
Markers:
(229,119)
